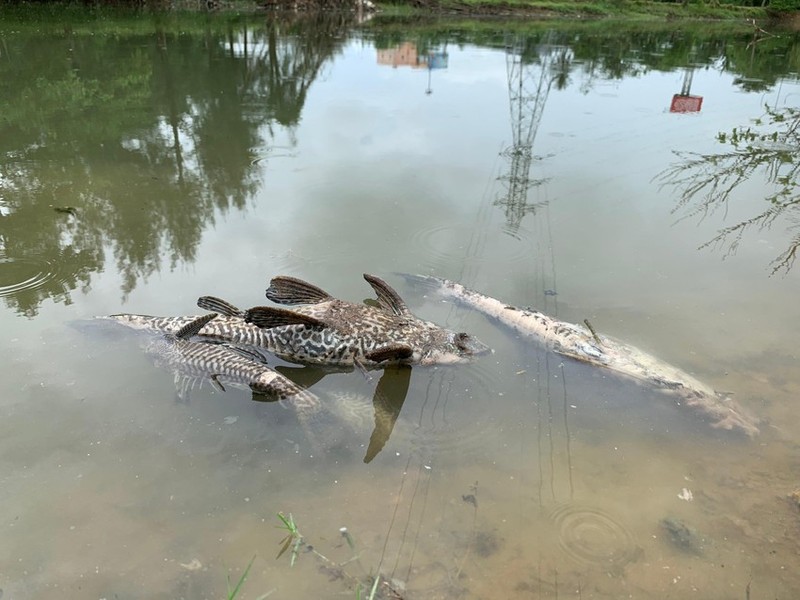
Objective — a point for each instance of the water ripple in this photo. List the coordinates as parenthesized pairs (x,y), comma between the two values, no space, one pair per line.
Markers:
(447,245)
(593,537)
(454,418)
(25,273)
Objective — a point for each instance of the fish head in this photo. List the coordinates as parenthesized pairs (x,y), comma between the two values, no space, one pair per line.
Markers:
(450,347)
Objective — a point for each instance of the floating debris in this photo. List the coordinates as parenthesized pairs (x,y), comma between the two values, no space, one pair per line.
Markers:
(192,565)
(66,210)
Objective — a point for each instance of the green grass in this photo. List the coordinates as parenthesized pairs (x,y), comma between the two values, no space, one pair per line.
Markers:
(233,591)
(119,18)
(629,9)
(293,539)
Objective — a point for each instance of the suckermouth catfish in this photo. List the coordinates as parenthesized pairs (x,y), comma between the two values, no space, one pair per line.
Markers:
(323,330)
(580,344)
(192,361)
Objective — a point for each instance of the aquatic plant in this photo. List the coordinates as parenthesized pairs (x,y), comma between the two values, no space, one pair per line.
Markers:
(293,538)
(232,592)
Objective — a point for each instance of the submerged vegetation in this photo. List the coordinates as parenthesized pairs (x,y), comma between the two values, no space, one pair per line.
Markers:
(367,587)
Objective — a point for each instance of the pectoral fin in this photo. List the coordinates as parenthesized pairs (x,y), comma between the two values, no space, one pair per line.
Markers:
(220,306)
(217,383)
(390,394)
(290,290)
(391,352)
(268,317)
(389,299)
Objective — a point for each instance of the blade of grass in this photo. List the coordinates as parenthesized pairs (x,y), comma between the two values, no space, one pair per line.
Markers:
(286,542)
(374,587)
(233,592)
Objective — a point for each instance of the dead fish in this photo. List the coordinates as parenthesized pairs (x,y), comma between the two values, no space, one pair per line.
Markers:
(193,361)
(324,330)
(577,342)
(321,329)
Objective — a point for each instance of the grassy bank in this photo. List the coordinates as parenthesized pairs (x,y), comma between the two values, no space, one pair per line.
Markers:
(573,9)
(585,9)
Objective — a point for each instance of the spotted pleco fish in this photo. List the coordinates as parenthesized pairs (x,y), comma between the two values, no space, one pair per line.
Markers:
(323,330)
(577,342)
(192,361)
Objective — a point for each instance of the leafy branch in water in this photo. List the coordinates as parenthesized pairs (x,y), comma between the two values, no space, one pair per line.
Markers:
(770,146)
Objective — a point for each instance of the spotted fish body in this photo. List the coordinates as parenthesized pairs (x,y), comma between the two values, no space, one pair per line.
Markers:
(193,360)
(342,332)
(221,329)
(323,330)
(579,343)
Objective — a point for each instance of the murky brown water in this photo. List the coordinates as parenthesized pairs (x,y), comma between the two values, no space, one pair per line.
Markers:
(146,162)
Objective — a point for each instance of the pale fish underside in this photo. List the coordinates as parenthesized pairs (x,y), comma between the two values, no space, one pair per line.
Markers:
(579,343)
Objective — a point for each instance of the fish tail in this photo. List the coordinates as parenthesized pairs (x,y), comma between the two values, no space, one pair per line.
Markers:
(150,323)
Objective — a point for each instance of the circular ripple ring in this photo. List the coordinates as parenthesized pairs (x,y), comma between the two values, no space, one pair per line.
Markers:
(592,536)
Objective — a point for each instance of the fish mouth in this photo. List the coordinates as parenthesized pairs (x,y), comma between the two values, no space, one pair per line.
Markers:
(469,345)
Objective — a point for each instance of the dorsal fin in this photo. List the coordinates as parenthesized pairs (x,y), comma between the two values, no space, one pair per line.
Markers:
(220,306)
(268,317)
(290,290)
(388,298)
(194,327)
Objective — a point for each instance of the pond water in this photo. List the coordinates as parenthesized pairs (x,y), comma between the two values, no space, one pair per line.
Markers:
(149,161)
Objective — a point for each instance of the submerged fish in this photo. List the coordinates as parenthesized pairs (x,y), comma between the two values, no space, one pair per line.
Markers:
(193,361)
(193,358)
(322,422)
(581,344)
(324,330)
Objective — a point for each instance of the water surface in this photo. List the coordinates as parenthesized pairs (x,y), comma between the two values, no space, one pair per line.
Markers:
(148,162)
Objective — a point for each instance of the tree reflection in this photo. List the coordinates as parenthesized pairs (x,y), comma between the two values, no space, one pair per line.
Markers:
(149,136)
(144,138)
(770,147)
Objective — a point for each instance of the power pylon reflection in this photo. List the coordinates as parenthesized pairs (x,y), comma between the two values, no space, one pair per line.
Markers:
(532,68)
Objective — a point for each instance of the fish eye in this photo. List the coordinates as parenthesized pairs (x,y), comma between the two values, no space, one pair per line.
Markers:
(462,341)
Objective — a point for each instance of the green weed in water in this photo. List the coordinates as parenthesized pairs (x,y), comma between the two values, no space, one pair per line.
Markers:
(293,539)
(232,592)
